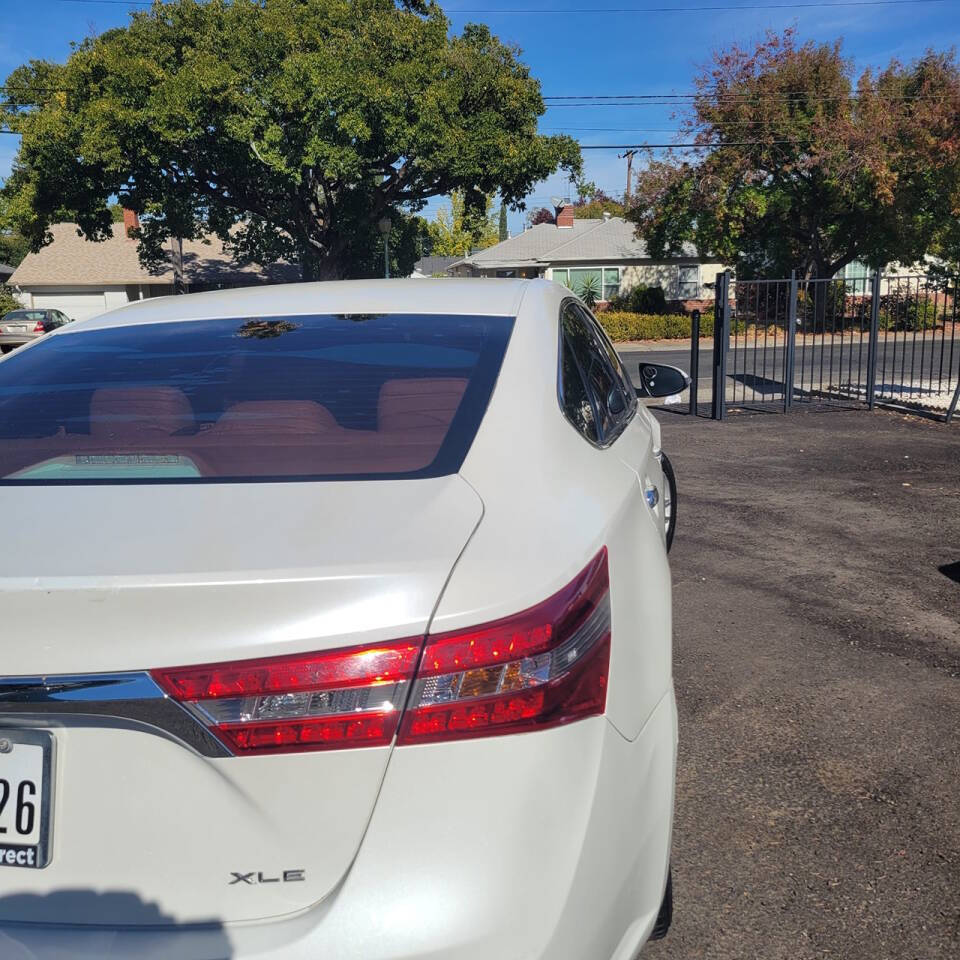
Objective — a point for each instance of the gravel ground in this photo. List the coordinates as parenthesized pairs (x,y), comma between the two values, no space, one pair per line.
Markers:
(817,665)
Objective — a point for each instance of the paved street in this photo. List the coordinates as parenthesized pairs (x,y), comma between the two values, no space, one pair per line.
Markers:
(817,661)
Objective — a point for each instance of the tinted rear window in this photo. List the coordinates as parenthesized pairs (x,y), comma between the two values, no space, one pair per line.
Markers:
(277,398)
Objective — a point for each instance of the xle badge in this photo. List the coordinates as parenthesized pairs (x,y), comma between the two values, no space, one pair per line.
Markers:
(254,877)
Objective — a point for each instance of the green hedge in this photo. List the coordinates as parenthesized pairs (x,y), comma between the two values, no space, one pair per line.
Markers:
(650,326)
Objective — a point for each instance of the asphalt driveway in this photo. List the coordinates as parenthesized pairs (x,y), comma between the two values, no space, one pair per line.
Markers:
(817,661)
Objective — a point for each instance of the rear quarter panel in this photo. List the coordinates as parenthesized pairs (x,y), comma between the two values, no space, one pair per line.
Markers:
(551,501)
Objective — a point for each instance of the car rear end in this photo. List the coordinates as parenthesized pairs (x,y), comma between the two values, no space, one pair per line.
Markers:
(258,699)
(21,326)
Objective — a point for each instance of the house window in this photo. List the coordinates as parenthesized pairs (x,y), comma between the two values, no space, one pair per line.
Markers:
(611,282)
(604,280)
(688,282)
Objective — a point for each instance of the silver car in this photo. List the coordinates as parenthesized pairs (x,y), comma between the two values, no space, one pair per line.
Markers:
(21,326)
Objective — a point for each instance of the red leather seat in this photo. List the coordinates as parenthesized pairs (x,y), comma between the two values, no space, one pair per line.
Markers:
(424,404)
(129,413)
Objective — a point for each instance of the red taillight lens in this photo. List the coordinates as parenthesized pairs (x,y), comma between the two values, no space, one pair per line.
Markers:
(351,697)
(39,328)
(540,668)
(545,666)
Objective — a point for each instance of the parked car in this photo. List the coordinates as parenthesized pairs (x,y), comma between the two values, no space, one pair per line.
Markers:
(346,634)
(21,326)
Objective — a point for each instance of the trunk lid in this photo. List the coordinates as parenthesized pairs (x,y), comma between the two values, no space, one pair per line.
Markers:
(108,579)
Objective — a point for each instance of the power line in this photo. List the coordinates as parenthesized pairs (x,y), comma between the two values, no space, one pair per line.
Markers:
(711,8)
(591,99)
(627,99)
(643,146)
(706,8)
(698,146)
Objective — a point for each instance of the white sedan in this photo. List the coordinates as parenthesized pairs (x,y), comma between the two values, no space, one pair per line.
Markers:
(336,625)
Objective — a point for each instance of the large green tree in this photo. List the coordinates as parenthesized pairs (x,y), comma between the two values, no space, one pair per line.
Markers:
(806,169)
(288,128)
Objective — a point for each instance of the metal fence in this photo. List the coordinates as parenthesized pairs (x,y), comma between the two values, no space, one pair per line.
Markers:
(888,338)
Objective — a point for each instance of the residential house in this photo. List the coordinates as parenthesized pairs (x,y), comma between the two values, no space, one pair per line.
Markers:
(433,267)
(83,278)
(570,250)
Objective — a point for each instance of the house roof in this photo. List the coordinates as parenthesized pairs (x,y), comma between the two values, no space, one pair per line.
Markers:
(596,241)
(429,266)
(72,260)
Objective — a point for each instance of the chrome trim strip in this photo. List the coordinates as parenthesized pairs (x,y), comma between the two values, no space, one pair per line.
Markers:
(101,687)
(132,697)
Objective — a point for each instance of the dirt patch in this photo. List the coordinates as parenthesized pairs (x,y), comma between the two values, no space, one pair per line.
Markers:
(817,665)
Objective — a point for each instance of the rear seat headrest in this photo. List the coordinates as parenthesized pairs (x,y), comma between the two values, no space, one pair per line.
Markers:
(278,416)
(133,411)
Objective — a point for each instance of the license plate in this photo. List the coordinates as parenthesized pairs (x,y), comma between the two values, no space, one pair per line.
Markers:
(17,328)
(26,782)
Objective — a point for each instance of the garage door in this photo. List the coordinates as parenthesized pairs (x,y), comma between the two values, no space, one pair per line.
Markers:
(77,306)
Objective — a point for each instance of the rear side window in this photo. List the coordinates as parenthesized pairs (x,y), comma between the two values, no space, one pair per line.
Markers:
(277,398)
(594,391)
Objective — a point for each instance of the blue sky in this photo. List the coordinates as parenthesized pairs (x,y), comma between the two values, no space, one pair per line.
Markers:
(592,52)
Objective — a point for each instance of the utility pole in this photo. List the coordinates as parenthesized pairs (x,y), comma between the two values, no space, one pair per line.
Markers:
(629,158)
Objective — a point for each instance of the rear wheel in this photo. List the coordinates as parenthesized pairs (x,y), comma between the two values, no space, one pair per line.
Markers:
(6,348)
(669,499)
(665,916)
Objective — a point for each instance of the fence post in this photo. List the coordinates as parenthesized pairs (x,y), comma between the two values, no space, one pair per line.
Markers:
(694,360)
(721,332)
(791,344)
(872,351)
(953,403)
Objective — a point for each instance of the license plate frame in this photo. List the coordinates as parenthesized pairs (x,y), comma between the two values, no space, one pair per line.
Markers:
(37,855)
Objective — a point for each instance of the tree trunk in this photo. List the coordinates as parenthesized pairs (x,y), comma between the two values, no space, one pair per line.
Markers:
(321,267)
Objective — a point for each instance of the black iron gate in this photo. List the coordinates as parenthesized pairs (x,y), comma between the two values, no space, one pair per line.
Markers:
(887,338)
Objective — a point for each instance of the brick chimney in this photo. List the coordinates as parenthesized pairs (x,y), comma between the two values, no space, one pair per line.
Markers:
(130,221)
(565,215)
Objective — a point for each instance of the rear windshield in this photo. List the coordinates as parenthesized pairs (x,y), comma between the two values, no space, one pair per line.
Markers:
(356,396)
(26,315)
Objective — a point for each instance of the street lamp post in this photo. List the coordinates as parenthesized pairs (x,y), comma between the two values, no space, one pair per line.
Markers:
(383,225)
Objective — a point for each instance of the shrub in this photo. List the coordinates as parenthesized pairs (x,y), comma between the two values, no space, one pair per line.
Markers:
(623,325)
(641,299)
(908,313)
(7,300)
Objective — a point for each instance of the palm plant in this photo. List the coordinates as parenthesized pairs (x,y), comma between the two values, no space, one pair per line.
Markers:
(589,291)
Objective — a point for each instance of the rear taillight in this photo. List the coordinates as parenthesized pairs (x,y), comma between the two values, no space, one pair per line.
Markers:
(540,668)
(350,697)
(39,328)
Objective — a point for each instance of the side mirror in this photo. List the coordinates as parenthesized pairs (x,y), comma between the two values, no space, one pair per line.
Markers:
(661,380)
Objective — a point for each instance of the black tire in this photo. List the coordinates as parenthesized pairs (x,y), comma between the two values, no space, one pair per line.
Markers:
(665,916)
(6,348)
(670,501)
